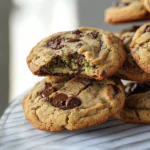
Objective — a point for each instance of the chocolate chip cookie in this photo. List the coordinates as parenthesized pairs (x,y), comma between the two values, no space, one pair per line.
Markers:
(58,103)
(85,52)
(146,4)
(130,70)
(140,47)
(137,105)
(126,11)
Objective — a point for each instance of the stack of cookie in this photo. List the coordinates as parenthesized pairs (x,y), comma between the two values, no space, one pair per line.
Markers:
(77,92)
(84,68)
(136,42)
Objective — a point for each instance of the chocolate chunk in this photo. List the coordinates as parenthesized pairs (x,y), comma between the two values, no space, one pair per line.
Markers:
(121,4)
(44,70)
(72,102)
(135,88)
(148,2)
(116,90)
(79,45)
(48,90)
(147,29)
(72,40)
(76,32)
(104,74)
(93,34)
(47,85)
(59,100)
(55,43)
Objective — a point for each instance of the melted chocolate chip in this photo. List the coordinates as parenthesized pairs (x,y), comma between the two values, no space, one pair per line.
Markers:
(135,88)
(76,32)
(55,43)
(59,101)
(93,34)
(116,90)
(121,4)
(72,40)
(79,45)
(72,102)
(44,70)
(48,90)
(104,74)
(147,29)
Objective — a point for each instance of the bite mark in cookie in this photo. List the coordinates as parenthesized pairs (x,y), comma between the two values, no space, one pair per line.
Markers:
(85,52)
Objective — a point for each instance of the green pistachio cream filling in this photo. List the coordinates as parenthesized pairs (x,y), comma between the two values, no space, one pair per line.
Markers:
(71,64)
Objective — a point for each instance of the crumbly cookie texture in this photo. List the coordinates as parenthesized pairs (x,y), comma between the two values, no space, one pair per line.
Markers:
(126,11)
(130,70)
(85,52)
(136,109)
(140,47)
(58,103)
(146,4)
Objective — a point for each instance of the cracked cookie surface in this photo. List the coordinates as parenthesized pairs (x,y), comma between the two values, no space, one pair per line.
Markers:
(59,103)
(126,11)
(130,70)
(137,105)
(85,52)
(146,4)
(140,47)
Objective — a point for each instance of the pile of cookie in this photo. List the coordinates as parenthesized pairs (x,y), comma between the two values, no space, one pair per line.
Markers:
(83,69)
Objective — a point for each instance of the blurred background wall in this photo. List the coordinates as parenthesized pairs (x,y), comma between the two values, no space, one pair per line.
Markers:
(4,53)
(28,22)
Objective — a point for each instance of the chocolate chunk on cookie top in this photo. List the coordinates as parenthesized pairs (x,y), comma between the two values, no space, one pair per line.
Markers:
(126,11)
(140,47)
(85,52)
(63,103)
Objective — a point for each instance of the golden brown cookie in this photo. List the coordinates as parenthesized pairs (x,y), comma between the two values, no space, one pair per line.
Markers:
(146,4)
(85,52)
(137,105)
(130,70)
(126,11)
(140,47)
(58,103)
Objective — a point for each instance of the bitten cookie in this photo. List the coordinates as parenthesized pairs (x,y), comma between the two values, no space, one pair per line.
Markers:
(140,47)
(146,4)
(126,11)
(137,105)
(85,52)
(58,103)
(130,70)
